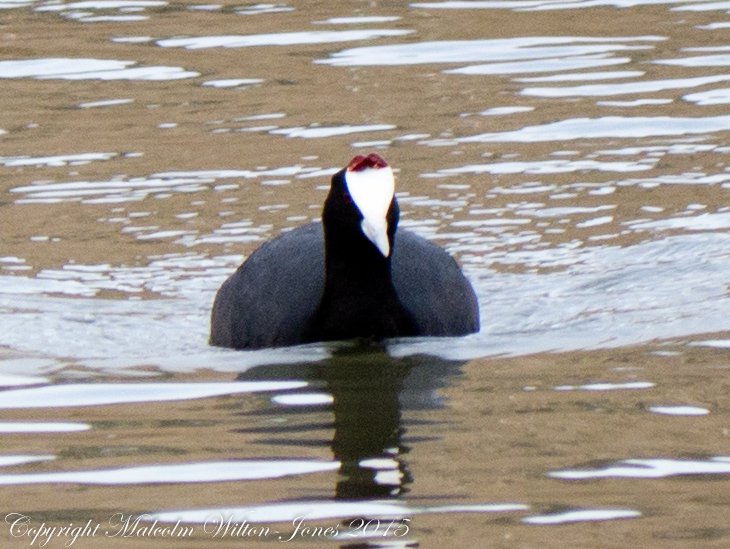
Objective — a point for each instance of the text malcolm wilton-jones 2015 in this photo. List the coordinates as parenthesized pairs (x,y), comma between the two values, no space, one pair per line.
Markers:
(215,526)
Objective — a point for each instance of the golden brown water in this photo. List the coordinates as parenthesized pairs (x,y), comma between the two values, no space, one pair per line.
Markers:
(573,158)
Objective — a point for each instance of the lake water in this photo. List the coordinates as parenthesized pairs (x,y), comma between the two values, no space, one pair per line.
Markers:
(572,155)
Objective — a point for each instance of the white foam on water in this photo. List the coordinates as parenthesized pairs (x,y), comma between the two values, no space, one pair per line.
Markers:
(279,39)
(213,471)
(582,515)
(650,468)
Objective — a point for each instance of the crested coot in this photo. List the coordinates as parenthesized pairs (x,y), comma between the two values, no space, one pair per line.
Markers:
(354,275)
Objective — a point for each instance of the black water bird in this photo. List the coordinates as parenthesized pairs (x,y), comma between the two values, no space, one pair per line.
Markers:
(352,276)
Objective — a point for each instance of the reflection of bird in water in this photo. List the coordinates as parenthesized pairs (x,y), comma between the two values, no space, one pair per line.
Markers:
(369,392)
(352,276)
(368,430)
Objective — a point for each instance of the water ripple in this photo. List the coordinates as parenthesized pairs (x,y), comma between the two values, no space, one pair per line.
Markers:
(604,127)
(505,49)
(214,471)
(279,39)
(651,468)
(89,69)
(103,394)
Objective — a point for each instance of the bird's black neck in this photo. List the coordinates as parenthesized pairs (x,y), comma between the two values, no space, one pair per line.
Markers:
(359,298)
(355,263)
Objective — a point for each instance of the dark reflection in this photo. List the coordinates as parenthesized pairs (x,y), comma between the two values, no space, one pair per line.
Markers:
(370,391)
(368,428)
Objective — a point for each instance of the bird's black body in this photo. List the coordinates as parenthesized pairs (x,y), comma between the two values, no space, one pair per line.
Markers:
(328,281)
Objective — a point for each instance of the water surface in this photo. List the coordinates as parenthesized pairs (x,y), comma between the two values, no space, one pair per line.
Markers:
(572,156)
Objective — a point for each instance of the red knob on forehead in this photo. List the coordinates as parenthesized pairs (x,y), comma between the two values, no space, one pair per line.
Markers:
(361,162)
